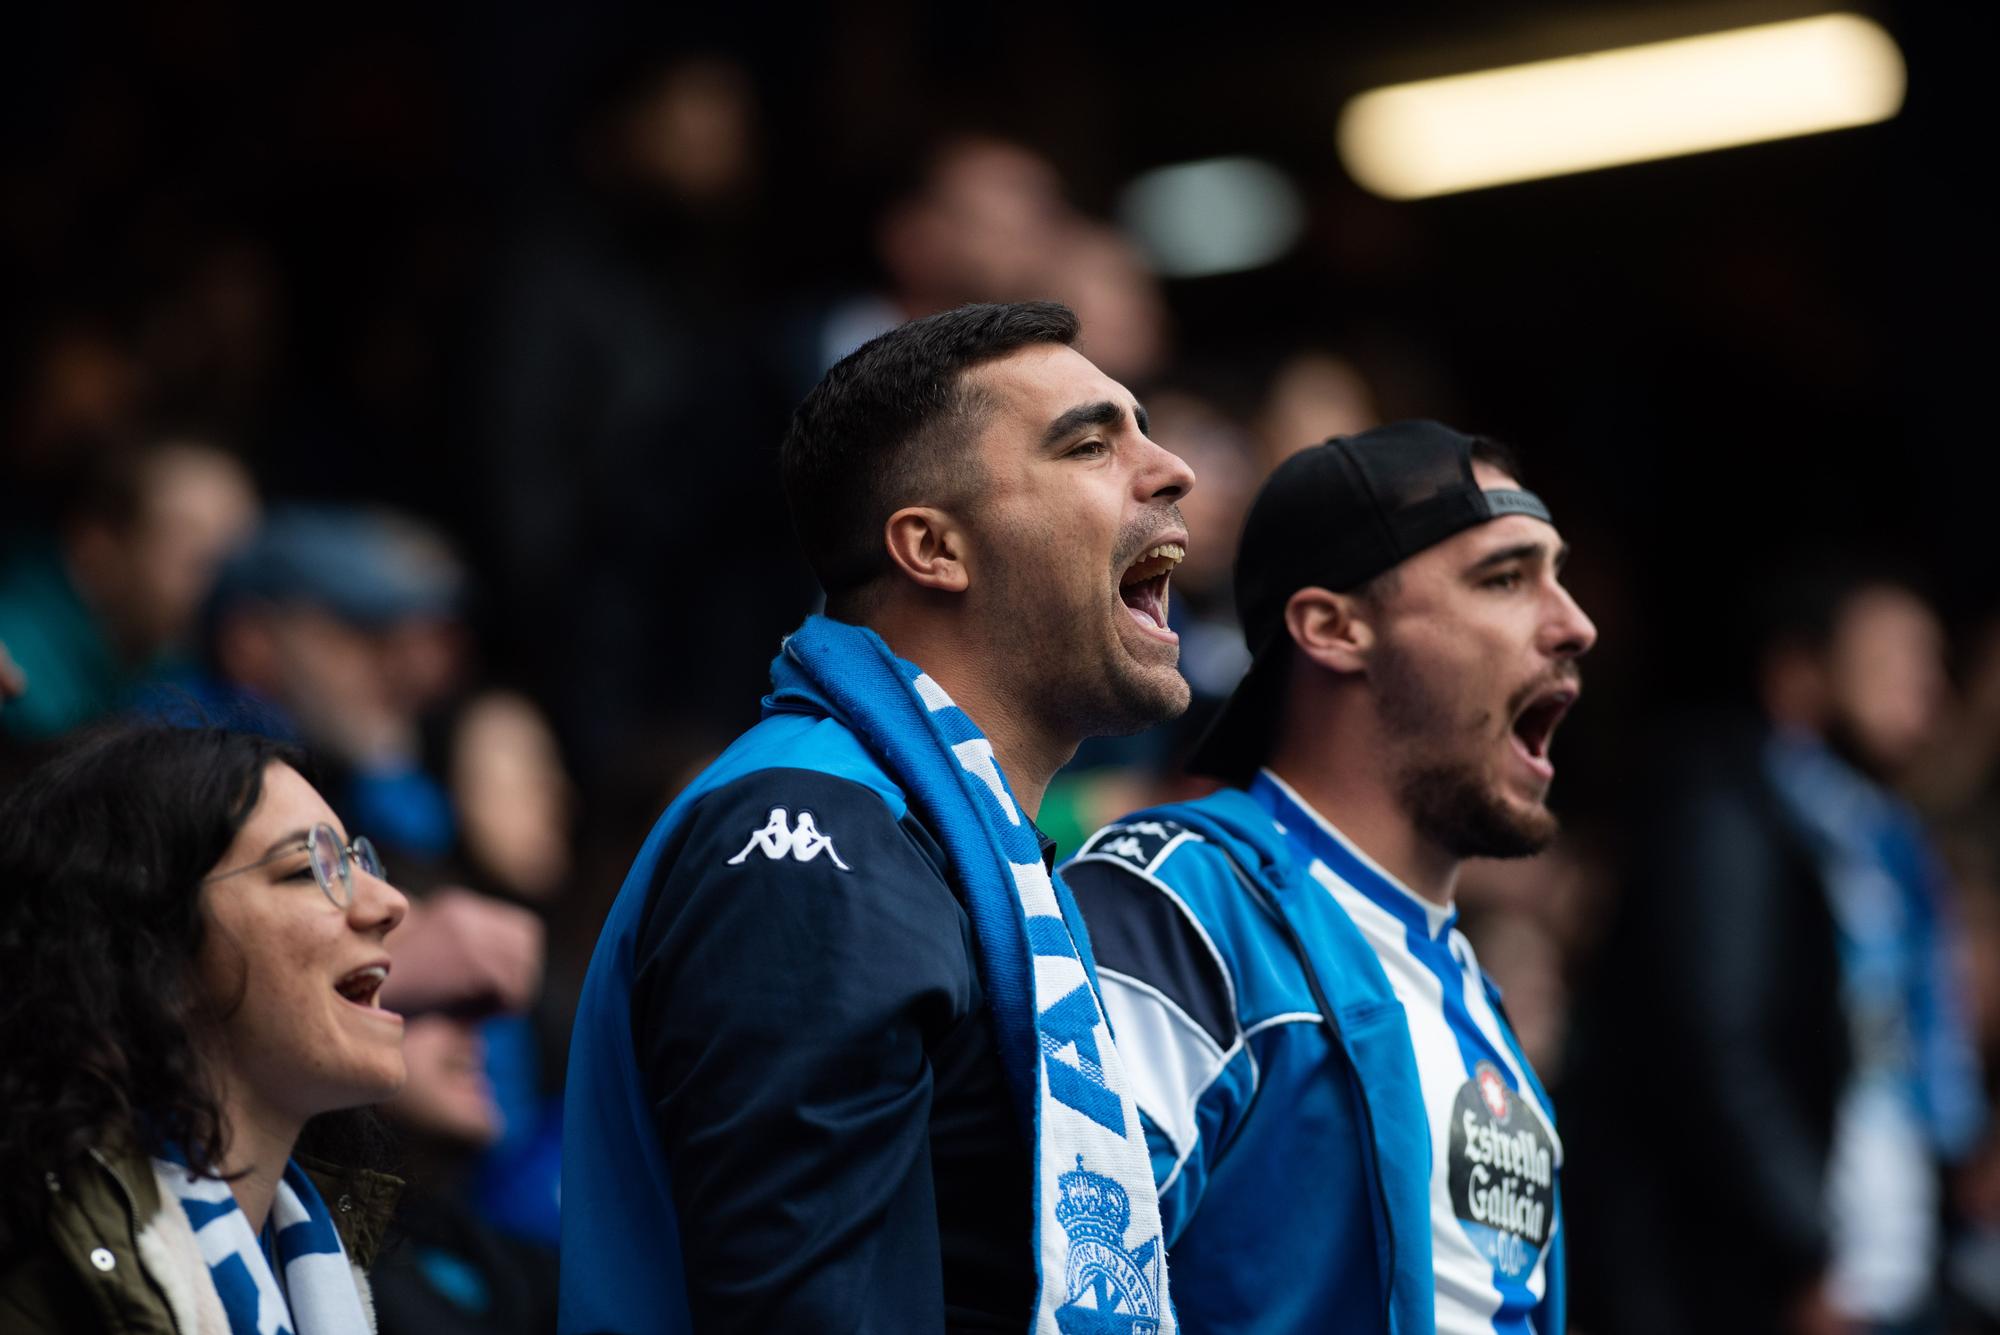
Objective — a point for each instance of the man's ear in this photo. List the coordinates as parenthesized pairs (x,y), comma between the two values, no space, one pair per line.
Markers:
(928,547)
(1331,629)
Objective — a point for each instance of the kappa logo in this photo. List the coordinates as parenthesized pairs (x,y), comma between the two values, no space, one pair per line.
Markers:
(801,842)
(1138,842)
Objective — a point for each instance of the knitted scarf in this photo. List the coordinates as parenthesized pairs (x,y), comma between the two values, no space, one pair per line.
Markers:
(1099,1257)
(317,1294)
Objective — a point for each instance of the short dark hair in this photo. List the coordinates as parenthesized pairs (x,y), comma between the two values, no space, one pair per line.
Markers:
(1498,454)
(889,424)
(102,852)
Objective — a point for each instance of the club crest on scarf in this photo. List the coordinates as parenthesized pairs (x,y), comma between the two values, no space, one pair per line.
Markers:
(1109,1288)
(1098,1247)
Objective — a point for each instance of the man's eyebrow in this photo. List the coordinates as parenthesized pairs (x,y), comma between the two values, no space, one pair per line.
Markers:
(1106,413)
(1520,551)
(1145,422)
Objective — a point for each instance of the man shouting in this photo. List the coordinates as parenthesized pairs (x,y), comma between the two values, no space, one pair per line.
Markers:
(841,1063)
(1345,1132)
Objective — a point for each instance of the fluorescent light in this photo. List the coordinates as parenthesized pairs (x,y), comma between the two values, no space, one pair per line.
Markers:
(1215,216)
(1634,104)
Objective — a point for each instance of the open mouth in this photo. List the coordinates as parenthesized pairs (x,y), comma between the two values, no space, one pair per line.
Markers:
(1535,725)
(364,986)
(1143,586)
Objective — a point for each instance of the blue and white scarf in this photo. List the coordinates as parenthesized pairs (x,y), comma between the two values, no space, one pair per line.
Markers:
(1101,1264)
(317,1296)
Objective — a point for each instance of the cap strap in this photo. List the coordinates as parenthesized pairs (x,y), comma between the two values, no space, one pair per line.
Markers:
(1506,501)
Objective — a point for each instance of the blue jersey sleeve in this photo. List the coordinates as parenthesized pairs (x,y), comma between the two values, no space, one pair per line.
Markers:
(1171,1004)
(800,949)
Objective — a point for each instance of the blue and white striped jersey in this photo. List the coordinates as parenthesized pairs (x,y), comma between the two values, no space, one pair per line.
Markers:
(1279,1187)
(1494,1152)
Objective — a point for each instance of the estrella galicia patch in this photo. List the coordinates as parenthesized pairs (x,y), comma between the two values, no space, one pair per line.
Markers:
(1502,1172)
(1139,842)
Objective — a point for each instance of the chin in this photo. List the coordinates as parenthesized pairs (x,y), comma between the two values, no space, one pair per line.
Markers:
(1146,697)
(1474,819)
(379,1083)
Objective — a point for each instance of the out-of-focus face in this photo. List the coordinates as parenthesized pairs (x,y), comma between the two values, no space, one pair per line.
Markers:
(337,680)
(1885,677)
(1220,452)
(512,794)
(447,1095)
(151,577)
(984,228)
(292,977)
(1076,534)
(1104,278)
(694,131)
(1475,668)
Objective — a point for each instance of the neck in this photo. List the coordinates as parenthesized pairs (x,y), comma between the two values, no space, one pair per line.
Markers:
(260,1141)
(1364,809)
(1027,752)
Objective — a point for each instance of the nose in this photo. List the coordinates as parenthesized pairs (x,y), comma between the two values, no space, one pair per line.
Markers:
(1163,475)
(377,906)
(1569,631)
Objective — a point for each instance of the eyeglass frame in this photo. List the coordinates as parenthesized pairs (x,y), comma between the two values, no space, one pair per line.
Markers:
(360,850)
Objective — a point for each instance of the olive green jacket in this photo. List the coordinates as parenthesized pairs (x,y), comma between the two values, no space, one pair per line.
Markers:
(118,1261)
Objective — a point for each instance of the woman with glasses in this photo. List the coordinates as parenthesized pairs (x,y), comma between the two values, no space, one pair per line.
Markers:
(191,948)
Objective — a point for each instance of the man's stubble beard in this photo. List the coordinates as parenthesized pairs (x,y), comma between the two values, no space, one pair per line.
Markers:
(1448,798)
(1067,672)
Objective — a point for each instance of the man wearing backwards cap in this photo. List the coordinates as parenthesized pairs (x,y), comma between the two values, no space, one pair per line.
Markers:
(1343,1128)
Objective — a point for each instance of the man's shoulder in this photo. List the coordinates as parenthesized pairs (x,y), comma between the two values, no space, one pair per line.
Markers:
(788,750)
(1139,843)
(801,800)
(791,814)
(1151,890)
(1173,849)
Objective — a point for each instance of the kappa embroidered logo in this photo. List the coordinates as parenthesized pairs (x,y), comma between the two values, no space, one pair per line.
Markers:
(801,842)
(1140,842)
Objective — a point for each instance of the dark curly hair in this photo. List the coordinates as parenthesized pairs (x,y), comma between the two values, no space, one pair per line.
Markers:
(102,854)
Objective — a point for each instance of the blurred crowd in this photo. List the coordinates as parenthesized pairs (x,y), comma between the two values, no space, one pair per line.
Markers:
(506,623)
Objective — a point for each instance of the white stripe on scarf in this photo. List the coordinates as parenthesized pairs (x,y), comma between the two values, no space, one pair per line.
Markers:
(318,1280)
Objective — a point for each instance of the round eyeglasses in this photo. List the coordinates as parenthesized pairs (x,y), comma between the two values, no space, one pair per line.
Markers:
(332,862)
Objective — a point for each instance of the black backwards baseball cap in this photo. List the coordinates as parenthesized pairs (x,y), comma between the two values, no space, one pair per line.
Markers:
(1335,516)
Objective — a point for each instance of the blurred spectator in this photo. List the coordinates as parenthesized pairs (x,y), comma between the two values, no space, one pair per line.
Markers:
(310,634)
(462,957)
(1312,395)
(466,953)
(447,1270)
(93,609)
(981,224)
(626,425)
(80,383)
(1100,274)
(513,797)
(1772,1062)
(213,342)
(1202,608)
(1530,919)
